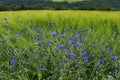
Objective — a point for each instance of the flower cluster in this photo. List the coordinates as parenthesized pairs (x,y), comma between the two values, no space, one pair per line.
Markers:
(48,52)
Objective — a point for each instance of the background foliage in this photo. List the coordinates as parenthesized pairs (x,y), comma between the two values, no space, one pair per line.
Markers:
(59,5)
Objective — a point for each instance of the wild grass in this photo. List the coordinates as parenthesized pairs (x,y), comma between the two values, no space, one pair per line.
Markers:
(59,45)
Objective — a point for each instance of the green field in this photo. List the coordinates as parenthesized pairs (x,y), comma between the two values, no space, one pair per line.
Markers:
(59,45)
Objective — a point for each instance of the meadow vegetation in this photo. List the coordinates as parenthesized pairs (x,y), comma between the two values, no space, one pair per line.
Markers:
(60,45)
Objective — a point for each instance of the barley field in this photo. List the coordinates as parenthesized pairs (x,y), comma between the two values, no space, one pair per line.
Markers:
(60,45)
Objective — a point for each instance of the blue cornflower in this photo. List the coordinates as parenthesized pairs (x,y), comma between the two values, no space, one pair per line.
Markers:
(70,39)
(113,58)
(31,27)
(42,55)
(110,51)
(73,55)
(39,44)
(54,33)
(96,67)
(82,51)
(105,49)
(67,41)
(68,61)
(66,51)
(78,44)
(30,49)
(36,28)
(13,62)
(25,29)
(91,52)
(5,19)
(73,43)
(17,32)
(80,36)
(61,47)
(3,41)
(86,59)
(38,68)
(35,58)
(101,61)
(63,36)
(35,37)
(51,23)
(85,55)
(113,72)
(86,29)
(83,31)
(75,31)
(12,67)
(48,43)
(103,43)
(76,64)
